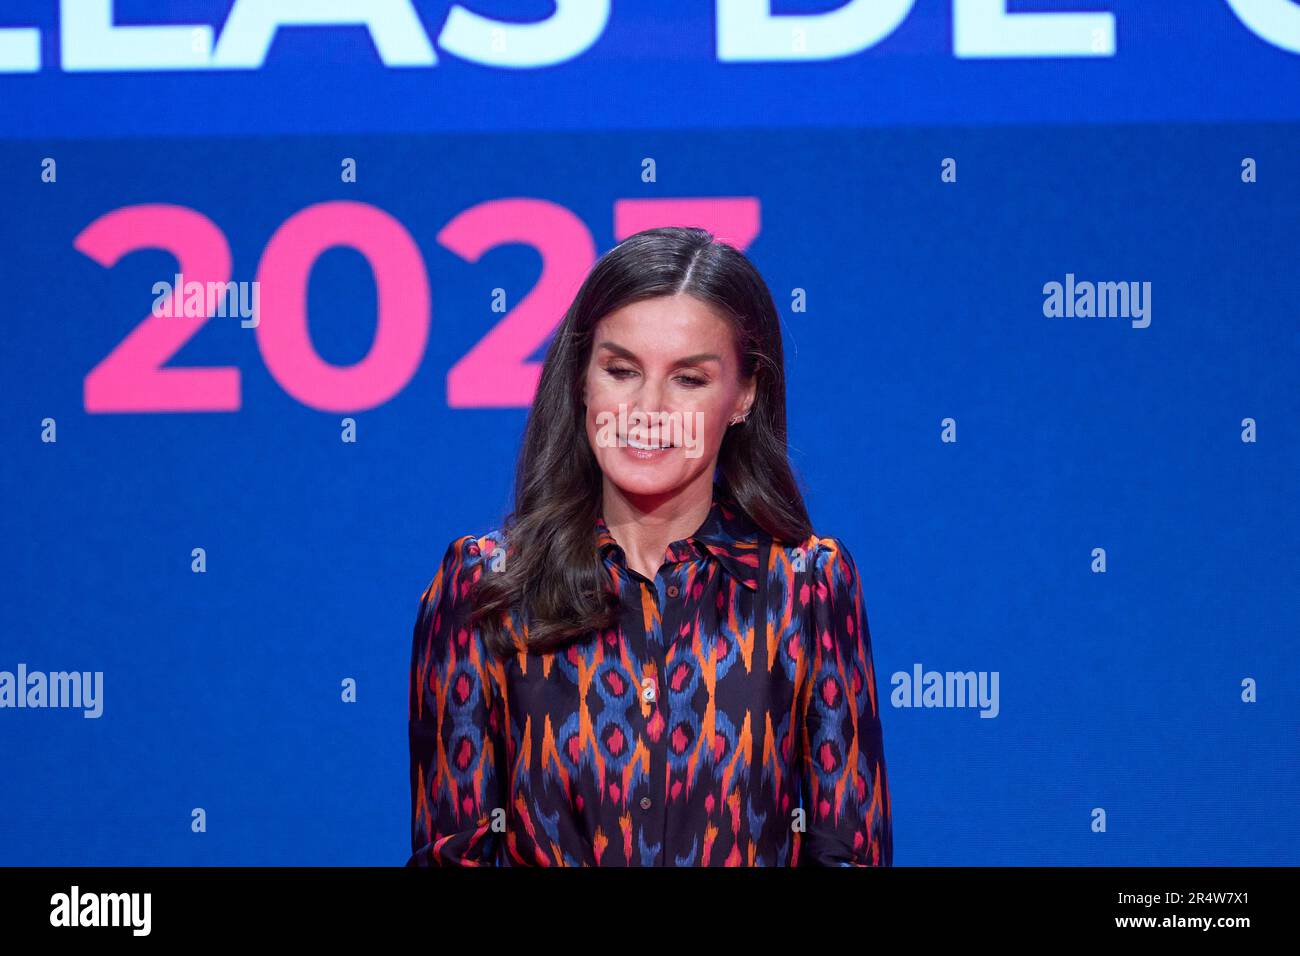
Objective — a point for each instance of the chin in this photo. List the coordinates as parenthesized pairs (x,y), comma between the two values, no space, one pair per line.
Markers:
(645,485)
(647,480)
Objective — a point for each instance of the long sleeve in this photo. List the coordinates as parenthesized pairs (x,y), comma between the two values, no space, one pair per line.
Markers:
(456,741)
(845,786)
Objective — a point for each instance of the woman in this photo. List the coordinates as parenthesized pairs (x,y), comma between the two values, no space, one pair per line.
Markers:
(655,662)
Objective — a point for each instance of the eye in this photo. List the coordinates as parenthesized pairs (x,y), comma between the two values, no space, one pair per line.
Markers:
(620,372)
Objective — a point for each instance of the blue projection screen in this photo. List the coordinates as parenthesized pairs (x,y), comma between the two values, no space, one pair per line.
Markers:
(1036,267)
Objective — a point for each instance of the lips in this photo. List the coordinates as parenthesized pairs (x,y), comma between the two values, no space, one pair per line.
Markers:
(642,446)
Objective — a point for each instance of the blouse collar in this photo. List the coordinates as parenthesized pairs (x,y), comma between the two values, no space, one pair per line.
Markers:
(727,534)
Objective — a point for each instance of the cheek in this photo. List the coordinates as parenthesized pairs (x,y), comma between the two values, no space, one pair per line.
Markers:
(600,398)
(709,419)
(602,409)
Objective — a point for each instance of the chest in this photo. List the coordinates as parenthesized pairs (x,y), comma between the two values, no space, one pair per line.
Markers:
(697,669)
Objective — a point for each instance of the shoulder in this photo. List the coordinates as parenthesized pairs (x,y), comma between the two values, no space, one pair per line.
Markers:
(831,596)
(462,562)
(442,618)
(445,642)
(824,557)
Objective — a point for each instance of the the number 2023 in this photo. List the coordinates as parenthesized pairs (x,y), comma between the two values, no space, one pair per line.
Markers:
(496,372)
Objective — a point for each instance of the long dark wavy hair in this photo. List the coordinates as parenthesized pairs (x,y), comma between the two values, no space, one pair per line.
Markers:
(552,566)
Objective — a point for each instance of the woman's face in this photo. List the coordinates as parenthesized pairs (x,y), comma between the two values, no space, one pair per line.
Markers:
(674,358)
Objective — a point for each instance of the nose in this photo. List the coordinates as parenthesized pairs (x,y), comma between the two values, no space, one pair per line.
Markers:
(649,395)
(648,401)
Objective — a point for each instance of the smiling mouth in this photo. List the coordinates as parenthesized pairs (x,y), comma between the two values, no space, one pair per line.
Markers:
(642,446)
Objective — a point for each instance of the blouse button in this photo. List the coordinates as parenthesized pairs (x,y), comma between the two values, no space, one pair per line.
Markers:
(672,590)
(645,803)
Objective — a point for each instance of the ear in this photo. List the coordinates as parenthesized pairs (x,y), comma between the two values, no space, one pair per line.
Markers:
(747,396)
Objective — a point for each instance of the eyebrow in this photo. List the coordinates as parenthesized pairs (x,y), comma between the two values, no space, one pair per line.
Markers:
(696,359)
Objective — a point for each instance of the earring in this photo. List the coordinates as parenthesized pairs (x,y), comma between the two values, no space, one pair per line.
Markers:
(738,419)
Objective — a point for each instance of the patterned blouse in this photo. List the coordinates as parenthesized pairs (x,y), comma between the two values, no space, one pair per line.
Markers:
(678,739)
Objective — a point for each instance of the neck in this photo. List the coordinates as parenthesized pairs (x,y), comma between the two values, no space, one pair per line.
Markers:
(644,525)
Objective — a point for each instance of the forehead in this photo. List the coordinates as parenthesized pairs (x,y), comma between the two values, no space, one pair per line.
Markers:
(667,326)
